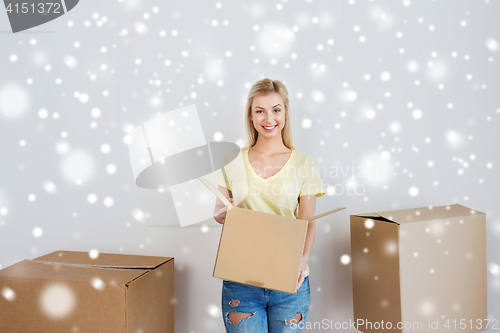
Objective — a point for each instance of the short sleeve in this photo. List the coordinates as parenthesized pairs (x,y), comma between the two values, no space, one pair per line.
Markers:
(223,182)
(313,184)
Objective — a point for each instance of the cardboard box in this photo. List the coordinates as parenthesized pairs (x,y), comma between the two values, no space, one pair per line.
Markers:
(422,265)
(70,292)
(260,249)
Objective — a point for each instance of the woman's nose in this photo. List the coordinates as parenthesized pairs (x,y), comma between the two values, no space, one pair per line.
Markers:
(269,117)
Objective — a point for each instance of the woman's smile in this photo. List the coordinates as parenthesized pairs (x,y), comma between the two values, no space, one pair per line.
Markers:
(269,128)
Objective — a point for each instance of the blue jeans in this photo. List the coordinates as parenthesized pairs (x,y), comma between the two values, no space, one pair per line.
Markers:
(264,310)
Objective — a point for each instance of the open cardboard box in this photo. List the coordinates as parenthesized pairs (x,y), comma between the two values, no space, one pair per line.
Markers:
(66,291)
(422,265)
(260,249)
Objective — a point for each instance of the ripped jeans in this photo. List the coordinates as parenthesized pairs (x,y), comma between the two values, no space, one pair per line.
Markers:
(259,310)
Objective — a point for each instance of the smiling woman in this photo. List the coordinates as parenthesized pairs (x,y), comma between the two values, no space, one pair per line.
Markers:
(273,178)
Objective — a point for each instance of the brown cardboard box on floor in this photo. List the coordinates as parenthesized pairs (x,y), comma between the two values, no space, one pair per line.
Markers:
(260,249)
(424,265)
(70,292)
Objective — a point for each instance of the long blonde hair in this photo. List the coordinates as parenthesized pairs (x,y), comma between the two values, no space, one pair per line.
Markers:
(266,87)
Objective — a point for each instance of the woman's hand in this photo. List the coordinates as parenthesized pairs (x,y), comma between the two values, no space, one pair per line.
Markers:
(221,214)
(302,272)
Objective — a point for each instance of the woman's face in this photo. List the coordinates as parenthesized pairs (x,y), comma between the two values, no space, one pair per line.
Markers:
(268,114)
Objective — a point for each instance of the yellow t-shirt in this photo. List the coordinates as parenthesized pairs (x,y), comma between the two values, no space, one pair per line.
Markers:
(277,194)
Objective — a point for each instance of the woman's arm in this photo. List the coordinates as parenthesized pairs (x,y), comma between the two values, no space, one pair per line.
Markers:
(220,208)
(307,207)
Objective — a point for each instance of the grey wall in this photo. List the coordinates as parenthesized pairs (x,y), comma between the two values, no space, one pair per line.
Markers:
(429,127)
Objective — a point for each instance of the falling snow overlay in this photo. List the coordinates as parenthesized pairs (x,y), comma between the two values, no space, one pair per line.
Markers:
(396,101)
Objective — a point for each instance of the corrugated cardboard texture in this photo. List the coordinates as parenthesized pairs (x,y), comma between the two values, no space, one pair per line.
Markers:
(103,259)
(426,213)
(375,272)
(150,301)
(442,262)
(43,304)
(250,236)
(74,295)
(443,271)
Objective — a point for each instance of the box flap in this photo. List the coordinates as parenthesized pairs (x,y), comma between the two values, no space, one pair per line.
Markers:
(374,216)
(315,217)
(76,273)
(427,213)
(104,260)
(216,191)
(248,236)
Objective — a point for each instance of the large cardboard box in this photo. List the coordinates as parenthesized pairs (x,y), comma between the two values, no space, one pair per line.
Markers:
(70,292)
(260,249)
(424,265)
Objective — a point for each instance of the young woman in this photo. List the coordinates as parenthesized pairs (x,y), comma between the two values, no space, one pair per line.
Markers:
(273,178)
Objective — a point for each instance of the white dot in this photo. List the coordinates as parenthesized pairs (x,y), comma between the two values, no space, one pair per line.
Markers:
(111,169)
(70,62)
(57,301)
(108,201)
(14,101)
(13,58)
(105,148)
(84,98)
(93,254)
(385,155)
(417,114)
(412,66)
(92,198)
(494,269)
(8,294)
(218,136)
(489,165)
(96,113)
(306,123)
(97,283)
(345,259)
(139,215)
(351,96)
(385,76)
(50,187)
(369,224)
(453,137)
(370,113)
(37,232)
(492,45)
(395,127)
(413,191)
(31,197)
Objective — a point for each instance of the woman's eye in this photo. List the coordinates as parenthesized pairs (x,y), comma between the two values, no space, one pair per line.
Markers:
(277,110)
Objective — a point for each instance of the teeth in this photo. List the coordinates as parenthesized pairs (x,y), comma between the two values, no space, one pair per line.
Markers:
(269,127)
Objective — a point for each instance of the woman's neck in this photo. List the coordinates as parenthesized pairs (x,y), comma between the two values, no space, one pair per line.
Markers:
(270,145)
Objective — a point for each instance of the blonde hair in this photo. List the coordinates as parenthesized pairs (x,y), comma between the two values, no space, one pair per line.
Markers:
(266,87)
